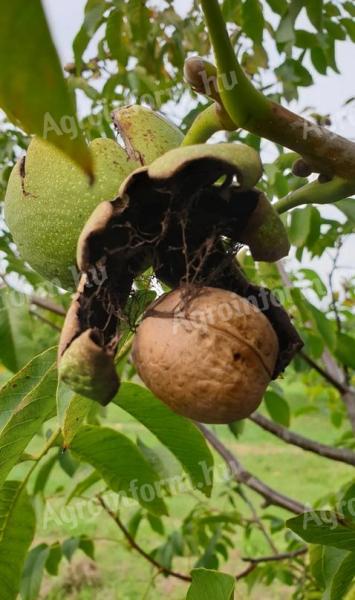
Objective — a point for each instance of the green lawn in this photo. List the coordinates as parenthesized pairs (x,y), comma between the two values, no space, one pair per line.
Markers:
(121,574)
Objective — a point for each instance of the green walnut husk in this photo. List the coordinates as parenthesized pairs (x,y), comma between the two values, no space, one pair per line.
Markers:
(190,198)
(49,198)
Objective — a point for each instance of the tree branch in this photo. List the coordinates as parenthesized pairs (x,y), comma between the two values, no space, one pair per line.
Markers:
(147,556)
(257,519)
(332,373)
(322,149)
(324,373)
(136,547)
(276,557)
(241,475)
(36,314)
(48,305)
(338,454)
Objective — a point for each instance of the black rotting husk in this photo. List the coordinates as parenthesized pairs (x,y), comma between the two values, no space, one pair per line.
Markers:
(186,217)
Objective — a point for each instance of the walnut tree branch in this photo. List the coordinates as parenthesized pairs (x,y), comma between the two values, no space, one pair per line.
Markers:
(332,373)
(276,557)
(284,434)
(148,557)
(136,546)
(322,149)
(48,305)
(241,475)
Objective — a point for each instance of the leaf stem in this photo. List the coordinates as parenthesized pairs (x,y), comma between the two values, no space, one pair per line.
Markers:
(317,193)
(37,457)
(239,97)
(204,126)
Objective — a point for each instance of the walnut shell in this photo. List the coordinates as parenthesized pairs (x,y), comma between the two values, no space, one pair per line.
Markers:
(209,354)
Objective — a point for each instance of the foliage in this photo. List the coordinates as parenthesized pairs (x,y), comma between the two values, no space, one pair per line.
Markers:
(132,51)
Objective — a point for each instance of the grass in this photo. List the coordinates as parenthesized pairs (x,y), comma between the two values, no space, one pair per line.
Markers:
(121,574)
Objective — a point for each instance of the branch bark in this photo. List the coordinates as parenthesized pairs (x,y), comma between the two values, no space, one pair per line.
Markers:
(136,547)
(48,305)
(148,557)
(276,557)
(338,454)
(322,149)
(241,475)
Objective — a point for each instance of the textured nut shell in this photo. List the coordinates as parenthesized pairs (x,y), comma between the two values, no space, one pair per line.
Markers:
(211,363)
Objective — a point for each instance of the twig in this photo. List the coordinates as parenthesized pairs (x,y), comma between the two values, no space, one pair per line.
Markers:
(332,373)
(48,305)
(276,557)
(246,571)
(324,373)
(339,454)
(34,313)
(257,519)
(241,475)
(136,547)
(149,558)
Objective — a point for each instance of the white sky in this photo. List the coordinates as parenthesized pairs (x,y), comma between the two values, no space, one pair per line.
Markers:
(327,95)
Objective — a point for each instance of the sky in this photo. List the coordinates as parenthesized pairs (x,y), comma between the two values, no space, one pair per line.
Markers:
(327,95)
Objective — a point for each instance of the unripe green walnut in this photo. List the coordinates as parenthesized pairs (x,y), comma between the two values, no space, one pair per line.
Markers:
(209,358)
(49,198)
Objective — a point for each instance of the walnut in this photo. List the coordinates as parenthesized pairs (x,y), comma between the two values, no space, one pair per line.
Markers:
(208,353)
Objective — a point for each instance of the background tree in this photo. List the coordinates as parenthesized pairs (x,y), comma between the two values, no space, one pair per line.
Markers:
(247,533)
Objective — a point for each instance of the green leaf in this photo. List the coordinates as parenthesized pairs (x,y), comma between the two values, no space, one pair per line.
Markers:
(33,572)
(35,407)
(237,428)
(16,389)
(286,29)
(346,504)
(33,91)
(324,326)
(178,434)
(72,409)
(121,464)
(350,7)
(44,473)
(277,408)
(17,344)
(316,563)
(343,577)
(344,351)
(350,28)
(116,44)
(253,20)
(318,285)
(324,527)
(292,71)
(210,585)
(94,10)
(319,60)
(17,528)
(348,208)
(314,10)
(84,485)
(300,226)
(339,572)
(278,6)
(54,558)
